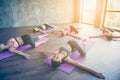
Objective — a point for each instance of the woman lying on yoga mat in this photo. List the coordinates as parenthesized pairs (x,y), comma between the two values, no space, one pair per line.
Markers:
(13,43)
(107,35)
(63,56)
(42,27)
(70,31)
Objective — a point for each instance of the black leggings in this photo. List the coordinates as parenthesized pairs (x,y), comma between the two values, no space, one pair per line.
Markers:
(75,46)
(27,39)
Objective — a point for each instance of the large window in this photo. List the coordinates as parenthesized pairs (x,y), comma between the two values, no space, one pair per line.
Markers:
(112,18)
(87,11)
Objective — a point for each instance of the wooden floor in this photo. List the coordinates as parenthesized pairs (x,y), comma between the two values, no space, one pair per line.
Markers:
(104,56)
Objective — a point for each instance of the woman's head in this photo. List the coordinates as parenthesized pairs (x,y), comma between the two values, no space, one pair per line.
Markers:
(59,57)
(109,37)
(6,45)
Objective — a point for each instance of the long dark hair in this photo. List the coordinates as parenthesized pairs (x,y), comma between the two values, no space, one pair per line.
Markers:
(55,64)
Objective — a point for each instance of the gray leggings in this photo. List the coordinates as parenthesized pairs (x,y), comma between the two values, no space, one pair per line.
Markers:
(75,46)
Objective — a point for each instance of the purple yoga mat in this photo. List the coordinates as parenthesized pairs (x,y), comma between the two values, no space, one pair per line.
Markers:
(66,67)
(7,53)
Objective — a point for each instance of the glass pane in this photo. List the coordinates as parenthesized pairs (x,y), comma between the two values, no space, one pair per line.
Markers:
(113,5)
(89,4)
(87,12)
(88,17)
(112,19)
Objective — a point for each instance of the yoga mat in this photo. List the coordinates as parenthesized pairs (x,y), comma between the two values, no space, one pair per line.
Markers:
(7,53)
(40,41)
(86,44)
(66,67)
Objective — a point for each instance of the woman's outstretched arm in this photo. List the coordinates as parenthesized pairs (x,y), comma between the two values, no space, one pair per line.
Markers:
(12,49)
(79,65)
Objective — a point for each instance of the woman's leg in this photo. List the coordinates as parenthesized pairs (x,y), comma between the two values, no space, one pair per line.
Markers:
(31,40)
(27,39)
(48,26)
(36,38)
(75,46)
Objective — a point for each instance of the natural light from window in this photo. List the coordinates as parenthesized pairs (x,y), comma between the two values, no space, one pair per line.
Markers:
(113,14)
(87,11)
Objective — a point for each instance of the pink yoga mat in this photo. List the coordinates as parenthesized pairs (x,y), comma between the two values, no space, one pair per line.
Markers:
(41,41)
(66,67)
